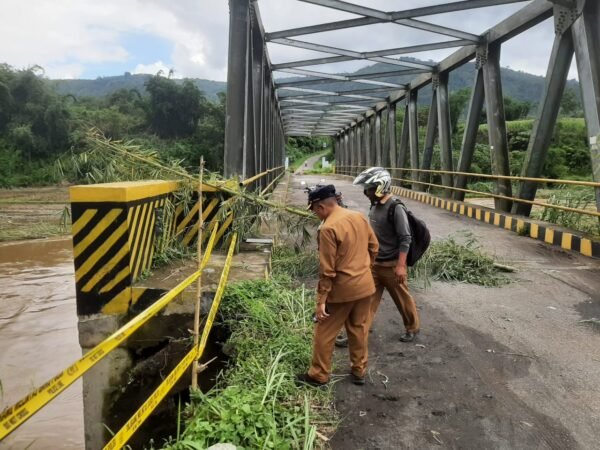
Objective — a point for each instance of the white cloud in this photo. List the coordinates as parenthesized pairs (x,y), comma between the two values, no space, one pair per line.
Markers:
(153,68)
(66,35)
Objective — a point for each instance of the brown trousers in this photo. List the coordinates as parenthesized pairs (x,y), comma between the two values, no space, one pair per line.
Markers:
(355,316)
(385,278)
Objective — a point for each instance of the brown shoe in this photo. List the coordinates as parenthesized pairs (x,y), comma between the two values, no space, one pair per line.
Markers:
(355,379)
(305,379)
(409,336)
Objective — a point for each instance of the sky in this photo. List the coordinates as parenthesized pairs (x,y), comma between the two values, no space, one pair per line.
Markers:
(91,38)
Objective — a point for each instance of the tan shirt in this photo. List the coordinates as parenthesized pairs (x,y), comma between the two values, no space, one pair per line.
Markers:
(347,249)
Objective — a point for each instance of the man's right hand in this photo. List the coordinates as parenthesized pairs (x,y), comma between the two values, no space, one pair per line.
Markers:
(320,312)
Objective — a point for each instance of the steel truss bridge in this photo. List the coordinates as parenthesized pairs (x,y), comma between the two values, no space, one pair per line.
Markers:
(360,112)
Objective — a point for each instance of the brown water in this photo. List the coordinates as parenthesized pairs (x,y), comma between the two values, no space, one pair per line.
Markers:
(38,339)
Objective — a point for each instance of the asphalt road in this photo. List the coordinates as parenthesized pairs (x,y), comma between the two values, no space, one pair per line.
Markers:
(494,368)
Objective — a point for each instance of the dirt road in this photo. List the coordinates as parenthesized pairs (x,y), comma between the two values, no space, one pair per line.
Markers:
(494,368)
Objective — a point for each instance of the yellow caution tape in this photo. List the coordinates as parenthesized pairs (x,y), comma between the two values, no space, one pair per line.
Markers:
(140,416)
(14,416)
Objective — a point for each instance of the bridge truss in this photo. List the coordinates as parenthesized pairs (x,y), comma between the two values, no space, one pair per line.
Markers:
(359,111)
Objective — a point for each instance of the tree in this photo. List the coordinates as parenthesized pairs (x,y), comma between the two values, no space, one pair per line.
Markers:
(515,109)
(458,102)
(570,105)
(174,110)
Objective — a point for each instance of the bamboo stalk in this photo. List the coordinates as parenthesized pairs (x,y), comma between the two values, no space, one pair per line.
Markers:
(195,368)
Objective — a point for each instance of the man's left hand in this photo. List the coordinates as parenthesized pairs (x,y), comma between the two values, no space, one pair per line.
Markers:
(401,274)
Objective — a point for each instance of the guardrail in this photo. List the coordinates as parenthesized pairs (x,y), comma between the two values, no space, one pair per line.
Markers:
(348,170)
(14,416)
(125,433)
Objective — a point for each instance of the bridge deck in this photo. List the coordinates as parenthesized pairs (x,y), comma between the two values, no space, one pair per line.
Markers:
(508,367)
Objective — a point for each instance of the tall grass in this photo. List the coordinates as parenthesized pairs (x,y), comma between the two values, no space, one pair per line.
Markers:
(256,404)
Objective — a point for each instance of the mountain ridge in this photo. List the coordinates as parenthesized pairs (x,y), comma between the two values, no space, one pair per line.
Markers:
(516,84)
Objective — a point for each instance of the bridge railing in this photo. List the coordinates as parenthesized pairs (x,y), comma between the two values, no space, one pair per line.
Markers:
(459,192)
(14,416)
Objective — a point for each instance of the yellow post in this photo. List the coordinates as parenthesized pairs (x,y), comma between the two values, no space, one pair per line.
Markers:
(199,282)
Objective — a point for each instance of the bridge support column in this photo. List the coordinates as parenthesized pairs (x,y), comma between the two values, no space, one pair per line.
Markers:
(367,139)
(346,153)
(444,130)
(413,124)
(404,142)
(586,35)
(496,120)
(556,80)
(385,153)
(351,150)
(391,133)
(359,146)
(429,140)
(470,133)
(378,149)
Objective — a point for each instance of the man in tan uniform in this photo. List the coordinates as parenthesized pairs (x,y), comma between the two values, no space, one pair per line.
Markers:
(347,249)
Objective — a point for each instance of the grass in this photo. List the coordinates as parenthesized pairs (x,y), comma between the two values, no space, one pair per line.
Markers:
(295,263)
(453,261)
(255,403)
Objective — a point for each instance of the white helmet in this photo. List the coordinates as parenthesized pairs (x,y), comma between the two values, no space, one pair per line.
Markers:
(376,177)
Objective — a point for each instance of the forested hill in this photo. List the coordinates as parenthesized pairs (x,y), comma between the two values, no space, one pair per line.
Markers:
(103,86)
(518,85)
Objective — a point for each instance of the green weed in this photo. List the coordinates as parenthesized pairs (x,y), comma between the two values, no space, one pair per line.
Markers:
(255,403)
(449,260)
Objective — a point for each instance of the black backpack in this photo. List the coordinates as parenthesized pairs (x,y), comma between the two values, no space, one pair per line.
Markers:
(421,238)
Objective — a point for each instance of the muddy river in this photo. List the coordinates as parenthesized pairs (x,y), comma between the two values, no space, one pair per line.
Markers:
(38,338)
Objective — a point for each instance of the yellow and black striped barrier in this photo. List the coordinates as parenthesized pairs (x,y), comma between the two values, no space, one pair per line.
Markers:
(115,233)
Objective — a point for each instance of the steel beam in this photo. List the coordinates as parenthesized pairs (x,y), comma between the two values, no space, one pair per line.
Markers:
(378,149)
(586,35)
(494,104)
(335,77)
(403,150)
(325,78)
(234,158)
(367,139)
(444,131)
(470,134)
(548,109)
(406,14)
(391,130)
(413,125)
(385,154)
(429,140)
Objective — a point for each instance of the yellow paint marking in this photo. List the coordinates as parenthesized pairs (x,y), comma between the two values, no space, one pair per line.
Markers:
(193,213)
(520,225)
(133,221)
(462,210)
(225,226)
(119,303)
(586,247)
(508,222)
(206,211)
(478,214)
(137,231)
(96,231)
(83,221)
(497,219)
(100,251)
(116,280)
(567,241)
(145,243)
(455,207)
(106,269)
(470,211)
(549,237)
(534,230)
(487,216)
(190,234)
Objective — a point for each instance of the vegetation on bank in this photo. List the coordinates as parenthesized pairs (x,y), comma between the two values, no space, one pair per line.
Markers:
(256,403)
